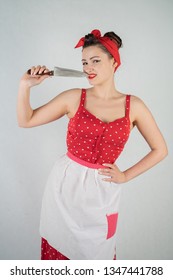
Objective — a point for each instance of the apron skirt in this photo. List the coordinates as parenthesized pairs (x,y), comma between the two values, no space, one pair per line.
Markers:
(79,210)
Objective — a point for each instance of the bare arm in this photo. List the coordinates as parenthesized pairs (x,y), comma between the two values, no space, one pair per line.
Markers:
(142,118)
(147,126)
(54,109)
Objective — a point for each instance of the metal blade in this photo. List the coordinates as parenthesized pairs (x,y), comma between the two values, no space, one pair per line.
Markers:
(64,72)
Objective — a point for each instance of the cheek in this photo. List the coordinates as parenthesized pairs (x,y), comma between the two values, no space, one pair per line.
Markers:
(106,71)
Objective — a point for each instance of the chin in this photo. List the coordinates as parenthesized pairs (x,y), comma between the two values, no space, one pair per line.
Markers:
(93,82)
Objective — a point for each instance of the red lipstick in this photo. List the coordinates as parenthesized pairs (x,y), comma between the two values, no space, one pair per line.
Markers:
(91,76)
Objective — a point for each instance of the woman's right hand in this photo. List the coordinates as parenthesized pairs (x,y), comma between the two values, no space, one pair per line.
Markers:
(34,79)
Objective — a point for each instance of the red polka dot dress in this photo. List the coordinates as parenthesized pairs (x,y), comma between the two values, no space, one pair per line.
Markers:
(79,210)
(90,139)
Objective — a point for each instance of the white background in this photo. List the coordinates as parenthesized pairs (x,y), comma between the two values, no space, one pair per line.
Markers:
(45,32)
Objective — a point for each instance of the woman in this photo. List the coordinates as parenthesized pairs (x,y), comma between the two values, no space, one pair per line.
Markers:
(81,201)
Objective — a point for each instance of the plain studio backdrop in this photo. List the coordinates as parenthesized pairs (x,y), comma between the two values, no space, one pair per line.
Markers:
(45,32)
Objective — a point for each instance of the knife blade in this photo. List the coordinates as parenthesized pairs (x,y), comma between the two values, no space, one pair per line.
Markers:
(62,72)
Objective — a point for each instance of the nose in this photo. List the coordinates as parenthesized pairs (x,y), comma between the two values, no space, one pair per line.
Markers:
(89,69)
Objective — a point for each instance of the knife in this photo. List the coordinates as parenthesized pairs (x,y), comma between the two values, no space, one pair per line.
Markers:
(63,72)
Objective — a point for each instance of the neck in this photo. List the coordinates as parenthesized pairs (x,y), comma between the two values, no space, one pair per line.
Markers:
(105,91)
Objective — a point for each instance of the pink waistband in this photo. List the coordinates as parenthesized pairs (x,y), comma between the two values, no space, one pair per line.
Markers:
(83,162)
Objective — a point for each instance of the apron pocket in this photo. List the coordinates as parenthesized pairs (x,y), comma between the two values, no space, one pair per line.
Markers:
(112,224)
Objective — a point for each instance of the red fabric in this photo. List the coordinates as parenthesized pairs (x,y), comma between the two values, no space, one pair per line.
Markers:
(95,141)
(112,224)
(49,253)
(84,163)
(107,43)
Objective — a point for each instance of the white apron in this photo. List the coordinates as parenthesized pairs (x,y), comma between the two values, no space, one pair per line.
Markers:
(80,211)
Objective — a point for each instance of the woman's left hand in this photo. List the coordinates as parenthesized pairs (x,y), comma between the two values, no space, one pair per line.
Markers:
(111,170)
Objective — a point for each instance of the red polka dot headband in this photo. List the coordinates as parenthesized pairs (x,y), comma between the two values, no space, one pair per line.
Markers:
(106,42)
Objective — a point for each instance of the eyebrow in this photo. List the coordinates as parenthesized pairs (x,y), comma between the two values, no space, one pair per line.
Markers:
(91,57)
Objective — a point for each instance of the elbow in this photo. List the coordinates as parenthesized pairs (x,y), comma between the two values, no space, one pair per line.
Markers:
(20,124)
(23,125)
(162,153)
(165,153)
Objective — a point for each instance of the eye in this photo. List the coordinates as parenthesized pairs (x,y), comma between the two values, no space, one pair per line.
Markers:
(96,61)
(84,63)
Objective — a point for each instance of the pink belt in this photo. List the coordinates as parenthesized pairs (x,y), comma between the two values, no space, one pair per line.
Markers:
(83,162)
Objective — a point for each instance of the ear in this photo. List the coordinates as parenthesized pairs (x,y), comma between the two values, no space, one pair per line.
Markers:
(114,63)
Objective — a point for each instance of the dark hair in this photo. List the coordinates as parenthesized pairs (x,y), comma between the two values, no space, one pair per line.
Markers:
(91,40)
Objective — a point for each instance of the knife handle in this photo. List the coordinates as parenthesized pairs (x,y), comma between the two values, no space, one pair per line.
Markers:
(50,73)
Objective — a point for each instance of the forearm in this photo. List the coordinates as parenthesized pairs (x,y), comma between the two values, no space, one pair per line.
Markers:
(151,159)
(24,110)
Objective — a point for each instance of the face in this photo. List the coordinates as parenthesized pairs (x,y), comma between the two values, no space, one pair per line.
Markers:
(97,64)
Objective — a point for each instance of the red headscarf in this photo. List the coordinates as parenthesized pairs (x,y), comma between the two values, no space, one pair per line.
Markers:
(106,42)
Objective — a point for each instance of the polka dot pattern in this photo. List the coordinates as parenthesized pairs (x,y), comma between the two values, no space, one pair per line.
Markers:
(49,253)
(95,141)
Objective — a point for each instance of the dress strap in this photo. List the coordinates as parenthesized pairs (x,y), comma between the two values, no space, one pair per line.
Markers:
(83,96)
(127,105)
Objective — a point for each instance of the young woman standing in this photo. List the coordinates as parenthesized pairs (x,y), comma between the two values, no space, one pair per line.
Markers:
(81,200)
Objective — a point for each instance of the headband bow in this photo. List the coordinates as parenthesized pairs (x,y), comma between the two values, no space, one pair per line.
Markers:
(106,42)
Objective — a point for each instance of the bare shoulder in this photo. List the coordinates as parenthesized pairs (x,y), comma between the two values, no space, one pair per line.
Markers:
(71,98)
(71,93)
(136,101)
(138,109)
(142,118)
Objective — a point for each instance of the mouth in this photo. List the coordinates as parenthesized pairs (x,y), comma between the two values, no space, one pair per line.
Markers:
(91,76)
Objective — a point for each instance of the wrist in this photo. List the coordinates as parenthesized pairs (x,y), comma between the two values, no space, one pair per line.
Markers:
(122,178)
(24,85)
(126,177)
